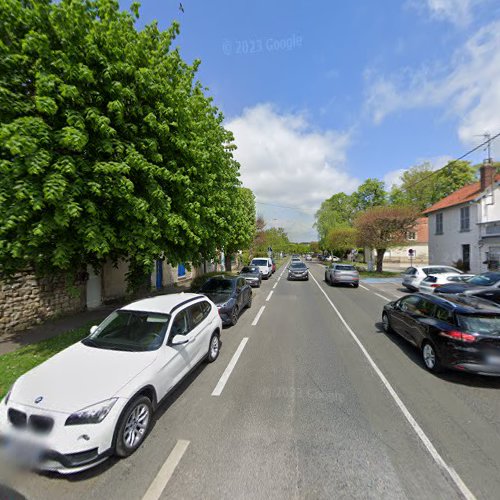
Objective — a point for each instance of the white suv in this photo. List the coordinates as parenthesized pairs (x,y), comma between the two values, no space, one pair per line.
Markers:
(265,266)
(415,274)
(97,397)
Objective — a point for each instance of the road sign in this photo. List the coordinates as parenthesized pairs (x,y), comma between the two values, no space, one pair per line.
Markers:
(411,254)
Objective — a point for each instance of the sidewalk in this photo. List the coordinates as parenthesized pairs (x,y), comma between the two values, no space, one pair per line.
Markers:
(57,326)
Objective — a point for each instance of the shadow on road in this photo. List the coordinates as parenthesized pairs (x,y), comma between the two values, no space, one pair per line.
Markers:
(453,376)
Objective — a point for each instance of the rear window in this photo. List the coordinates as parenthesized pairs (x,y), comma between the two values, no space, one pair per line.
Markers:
(430,279)
(485,279)
(411,271)
(344,268)
(485,324)
(260,262)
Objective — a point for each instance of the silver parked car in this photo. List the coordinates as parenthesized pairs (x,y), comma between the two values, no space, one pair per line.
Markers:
(342,273)
(414,275)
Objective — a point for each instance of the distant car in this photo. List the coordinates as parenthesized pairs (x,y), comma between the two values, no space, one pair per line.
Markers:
(329,258)
(434,281)
(298,271)
(479,283)
(230,294)
(96,398)
(335,259)
(308,258)
(252,275)
(342,274)
(459,332)
(273,266)
(412,276)
(296,259)
(265,266)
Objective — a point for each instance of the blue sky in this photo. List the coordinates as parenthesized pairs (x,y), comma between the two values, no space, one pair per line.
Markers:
(321,95)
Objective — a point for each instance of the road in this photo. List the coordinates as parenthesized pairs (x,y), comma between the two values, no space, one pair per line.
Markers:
(304,404)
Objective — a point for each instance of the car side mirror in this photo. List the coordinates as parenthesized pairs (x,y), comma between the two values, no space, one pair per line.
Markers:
(93,329)
(179,340)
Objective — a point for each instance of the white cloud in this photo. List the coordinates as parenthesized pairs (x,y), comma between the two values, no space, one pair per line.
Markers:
(458,12)
(286,162)
(468,87)
(393,178)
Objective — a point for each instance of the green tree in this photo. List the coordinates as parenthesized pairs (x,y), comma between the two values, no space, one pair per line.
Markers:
(421,187)
(336,211)
(243,224)
(109,148)
(341,240)
(370,194)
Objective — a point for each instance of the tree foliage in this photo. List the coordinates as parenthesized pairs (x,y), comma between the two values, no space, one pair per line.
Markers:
(421,188)
(109,148)
(384,227)
(341,240)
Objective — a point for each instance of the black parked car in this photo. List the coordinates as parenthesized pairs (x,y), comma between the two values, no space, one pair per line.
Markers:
(298,271)
(458,332)
(230,295)
(481,282)
(252,275)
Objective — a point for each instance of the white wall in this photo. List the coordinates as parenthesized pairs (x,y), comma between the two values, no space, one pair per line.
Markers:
(446,248)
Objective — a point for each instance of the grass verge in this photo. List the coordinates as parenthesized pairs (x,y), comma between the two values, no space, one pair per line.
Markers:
(14,364)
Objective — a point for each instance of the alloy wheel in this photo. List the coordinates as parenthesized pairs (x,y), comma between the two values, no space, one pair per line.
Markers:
(136,426)
(214,347)
(429,356)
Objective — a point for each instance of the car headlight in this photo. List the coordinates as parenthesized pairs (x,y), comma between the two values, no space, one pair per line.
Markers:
(94,414)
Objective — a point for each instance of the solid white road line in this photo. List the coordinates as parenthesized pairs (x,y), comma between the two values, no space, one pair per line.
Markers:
(162,478)
(381,296)
(259,314)
(363,287)
(409,417)
(229,369)
(269,296)
(275,285)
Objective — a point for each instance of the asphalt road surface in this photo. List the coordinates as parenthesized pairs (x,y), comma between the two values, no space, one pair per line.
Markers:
(308,399)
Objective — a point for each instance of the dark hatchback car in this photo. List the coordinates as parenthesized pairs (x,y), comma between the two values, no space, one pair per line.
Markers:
(230,295)
(458,332)
(252,275)
(298,271)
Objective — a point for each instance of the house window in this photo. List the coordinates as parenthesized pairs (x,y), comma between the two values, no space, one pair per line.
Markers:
(466,257)
(465,219)
(439,223)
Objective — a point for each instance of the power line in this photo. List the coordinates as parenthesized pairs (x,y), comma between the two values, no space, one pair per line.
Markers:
(283,206)
(487,142)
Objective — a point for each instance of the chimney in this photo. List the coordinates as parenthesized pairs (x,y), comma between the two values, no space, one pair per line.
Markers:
(487,175)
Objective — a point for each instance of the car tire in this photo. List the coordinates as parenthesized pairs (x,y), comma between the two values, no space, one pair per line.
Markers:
(234,315)
(356,285)
(137,414)
(431,358)
(386,323)
(326,278)
(213,348)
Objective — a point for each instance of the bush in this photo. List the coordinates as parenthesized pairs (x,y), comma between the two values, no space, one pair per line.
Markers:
(198,282)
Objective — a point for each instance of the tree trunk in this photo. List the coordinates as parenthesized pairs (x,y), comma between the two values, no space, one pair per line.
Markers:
(380,259)
(227,262)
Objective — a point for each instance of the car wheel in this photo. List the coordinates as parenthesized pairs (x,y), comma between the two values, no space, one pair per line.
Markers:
(356,285)
(133,426)
(431,358)
(214,349)
(234,315)
(326,278)
(386,323)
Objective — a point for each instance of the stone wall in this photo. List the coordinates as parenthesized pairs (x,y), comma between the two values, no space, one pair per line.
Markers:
(27,300)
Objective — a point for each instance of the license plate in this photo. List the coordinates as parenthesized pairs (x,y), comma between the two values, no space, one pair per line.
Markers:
(23,453)
(493,359)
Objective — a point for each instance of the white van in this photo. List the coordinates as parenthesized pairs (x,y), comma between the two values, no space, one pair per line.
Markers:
(265,266)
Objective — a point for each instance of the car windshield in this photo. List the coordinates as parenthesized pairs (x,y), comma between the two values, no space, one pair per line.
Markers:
(260,262)
(298,265)
(130,331)
(250,269)
(486,279)
(218,286)
(485,324)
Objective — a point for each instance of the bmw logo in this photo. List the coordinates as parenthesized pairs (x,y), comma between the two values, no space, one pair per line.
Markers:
(39,399)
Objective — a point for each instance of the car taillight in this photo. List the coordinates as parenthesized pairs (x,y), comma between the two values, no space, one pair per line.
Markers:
(456,335)
(435,286)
